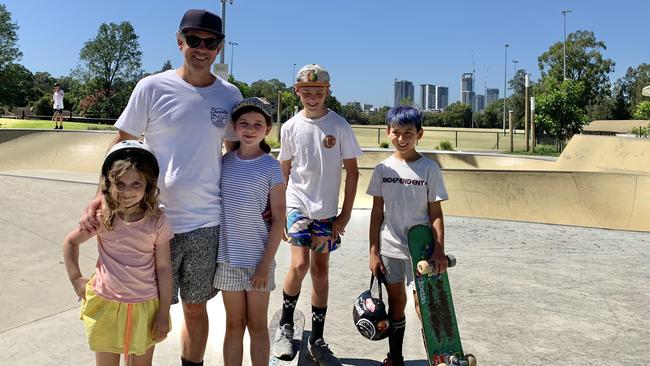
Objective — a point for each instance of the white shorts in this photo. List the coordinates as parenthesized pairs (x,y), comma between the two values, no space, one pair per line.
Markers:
(229,278)
(398,270)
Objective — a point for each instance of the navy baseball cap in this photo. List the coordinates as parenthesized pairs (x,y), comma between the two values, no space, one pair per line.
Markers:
(199,19)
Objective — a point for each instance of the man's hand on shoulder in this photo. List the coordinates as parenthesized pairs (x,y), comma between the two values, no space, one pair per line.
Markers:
(88,221)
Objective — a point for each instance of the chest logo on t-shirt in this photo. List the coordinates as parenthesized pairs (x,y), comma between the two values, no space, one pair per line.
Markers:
(404,181)
(219,117)
(329,141)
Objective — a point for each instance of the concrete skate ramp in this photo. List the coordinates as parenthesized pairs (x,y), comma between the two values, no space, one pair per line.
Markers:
(603,200)
(465,160)
(480,185)
(589,153)
(72,151)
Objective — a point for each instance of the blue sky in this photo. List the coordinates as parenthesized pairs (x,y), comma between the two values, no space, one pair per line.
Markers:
(365,44)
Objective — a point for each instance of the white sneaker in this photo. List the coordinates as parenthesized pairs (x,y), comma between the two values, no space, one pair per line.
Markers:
(282,346)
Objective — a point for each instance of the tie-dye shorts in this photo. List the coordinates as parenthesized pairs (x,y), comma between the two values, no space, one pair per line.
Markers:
(314,234)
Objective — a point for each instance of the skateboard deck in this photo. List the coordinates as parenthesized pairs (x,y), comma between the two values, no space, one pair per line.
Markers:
(439,326)
(298,327)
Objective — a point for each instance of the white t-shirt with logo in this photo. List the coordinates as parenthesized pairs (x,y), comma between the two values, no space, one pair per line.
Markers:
(406,188)
(185,126)
(316,148)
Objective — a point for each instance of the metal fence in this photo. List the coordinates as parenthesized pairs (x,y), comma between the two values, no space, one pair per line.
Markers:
(466,138)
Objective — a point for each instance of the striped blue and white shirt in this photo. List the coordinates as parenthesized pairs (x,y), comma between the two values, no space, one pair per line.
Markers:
(245,188)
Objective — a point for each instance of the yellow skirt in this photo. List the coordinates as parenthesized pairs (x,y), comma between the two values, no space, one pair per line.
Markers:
(116,327)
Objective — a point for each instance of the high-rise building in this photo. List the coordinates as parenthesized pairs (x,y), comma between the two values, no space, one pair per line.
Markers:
(356,105)
(427,97)
(480,102)
(442,97)
(467,95)
(367,107)
(403,89)
(491,95)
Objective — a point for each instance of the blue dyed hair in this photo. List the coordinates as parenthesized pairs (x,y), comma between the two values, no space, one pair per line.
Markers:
(404,116)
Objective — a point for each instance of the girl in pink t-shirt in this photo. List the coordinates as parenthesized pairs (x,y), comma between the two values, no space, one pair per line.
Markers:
(126,301)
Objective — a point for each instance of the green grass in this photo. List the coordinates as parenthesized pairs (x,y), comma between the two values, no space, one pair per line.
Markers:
(38,124)
(540,150)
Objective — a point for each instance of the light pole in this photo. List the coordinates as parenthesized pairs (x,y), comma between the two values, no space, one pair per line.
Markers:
(526,131)
(293,76)
(223,25)
(505,91)
(564,13)
(515,62)
(232,55)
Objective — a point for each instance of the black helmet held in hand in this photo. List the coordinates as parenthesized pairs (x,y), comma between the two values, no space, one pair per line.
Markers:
(369,314)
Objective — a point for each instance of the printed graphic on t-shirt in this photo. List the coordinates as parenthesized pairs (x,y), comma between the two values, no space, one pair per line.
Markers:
(329,141)
(404,181)
(219,117)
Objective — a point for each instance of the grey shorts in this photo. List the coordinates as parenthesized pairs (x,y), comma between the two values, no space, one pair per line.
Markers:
(229,278)
(194,260)
(398,270)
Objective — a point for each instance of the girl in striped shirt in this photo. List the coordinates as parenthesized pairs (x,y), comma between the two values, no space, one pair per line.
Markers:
(251,181)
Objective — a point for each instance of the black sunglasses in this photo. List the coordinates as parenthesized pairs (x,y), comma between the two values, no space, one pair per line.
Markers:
(210,43)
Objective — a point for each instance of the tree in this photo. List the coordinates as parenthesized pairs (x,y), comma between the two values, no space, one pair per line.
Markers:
(43,84)
(332,103)
(244,89)
(642,110)
(16,85)
(9,52)
(627,90)
(110,67)
(267,89)
(492,115)
(517,101)
(166,66)
(457,115)
(379,117)
(354,115)
(558,109)
(432,118)
(406,101)
(584,62)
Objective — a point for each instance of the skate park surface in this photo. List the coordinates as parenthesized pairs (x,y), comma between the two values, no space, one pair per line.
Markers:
(525,291)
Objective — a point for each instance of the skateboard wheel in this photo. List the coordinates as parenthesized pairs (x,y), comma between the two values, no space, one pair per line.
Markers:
(471,360)
(424,267)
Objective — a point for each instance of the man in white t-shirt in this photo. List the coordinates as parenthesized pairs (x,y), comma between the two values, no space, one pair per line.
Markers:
(57,116)
(184,116)
(314,145)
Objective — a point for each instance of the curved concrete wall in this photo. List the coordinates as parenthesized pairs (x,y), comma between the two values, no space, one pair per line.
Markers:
(480,185)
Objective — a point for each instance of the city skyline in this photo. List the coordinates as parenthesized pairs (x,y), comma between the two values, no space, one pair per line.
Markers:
(363,52)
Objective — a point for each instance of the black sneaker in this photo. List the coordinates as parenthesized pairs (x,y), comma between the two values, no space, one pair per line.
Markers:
(320,353)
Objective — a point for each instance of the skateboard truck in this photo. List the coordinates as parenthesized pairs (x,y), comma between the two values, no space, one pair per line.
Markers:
(469,360)
(425,267)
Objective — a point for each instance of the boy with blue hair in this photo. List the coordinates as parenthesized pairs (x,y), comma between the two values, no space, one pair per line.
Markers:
(407,190)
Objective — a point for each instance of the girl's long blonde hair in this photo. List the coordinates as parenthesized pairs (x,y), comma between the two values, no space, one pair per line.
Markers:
(149,203)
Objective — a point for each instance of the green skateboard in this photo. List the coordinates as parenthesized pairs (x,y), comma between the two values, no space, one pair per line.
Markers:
(439,326)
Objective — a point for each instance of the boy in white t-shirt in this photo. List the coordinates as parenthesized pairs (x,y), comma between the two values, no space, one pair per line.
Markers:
(315,143)
(407,190)
(57,116)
